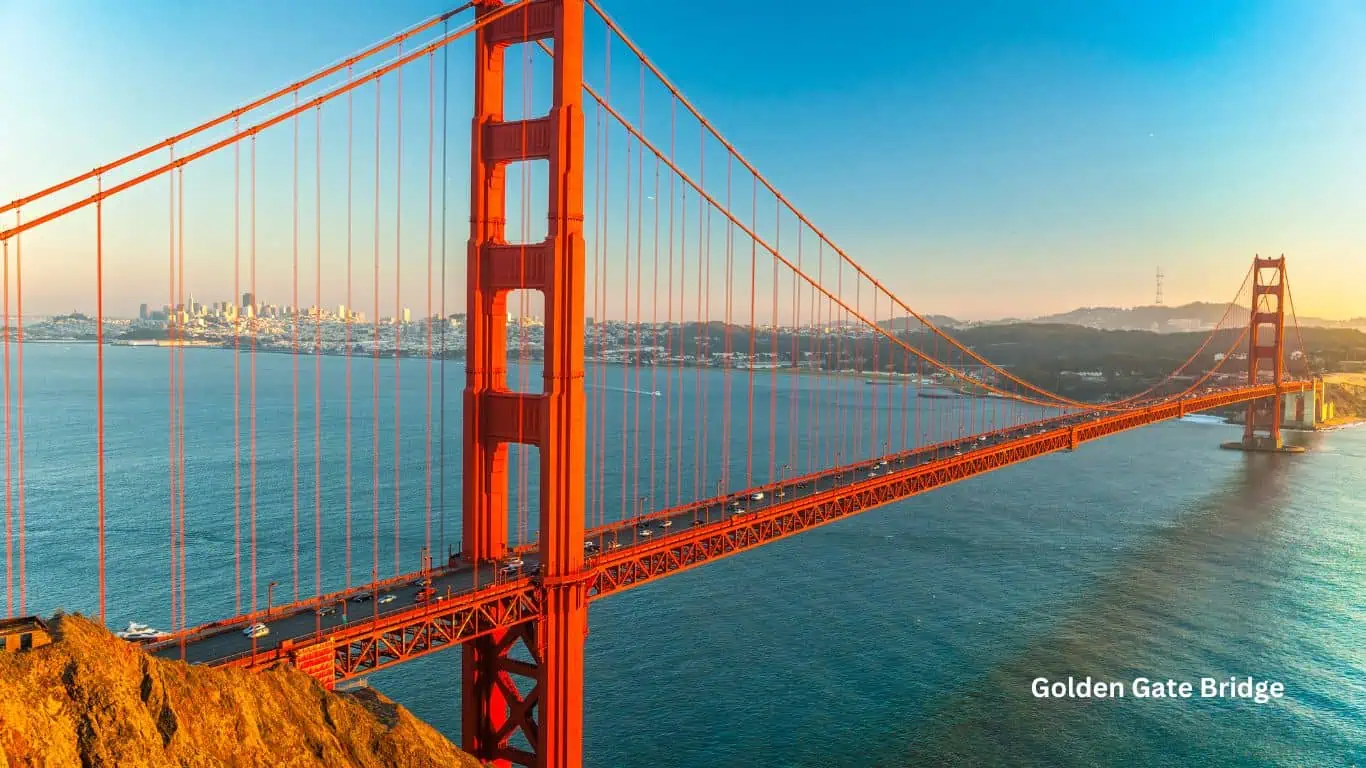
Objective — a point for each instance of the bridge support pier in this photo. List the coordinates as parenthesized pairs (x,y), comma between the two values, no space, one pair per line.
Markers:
(549,716)
(1266,355)
(494,707)
(1302,410)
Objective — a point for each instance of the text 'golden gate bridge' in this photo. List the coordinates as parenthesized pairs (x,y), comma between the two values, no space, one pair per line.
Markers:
(717,400)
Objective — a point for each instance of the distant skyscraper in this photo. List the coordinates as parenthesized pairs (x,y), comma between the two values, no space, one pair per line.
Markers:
(143,312)
(248,300)
(341,311)
(407,316)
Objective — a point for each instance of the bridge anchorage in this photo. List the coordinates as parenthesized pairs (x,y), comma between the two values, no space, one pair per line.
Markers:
(877,403)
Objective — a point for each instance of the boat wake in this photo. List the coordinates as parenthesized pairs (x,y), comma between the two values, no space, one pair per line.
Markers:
(646,392)
(1201,418)
(140,632)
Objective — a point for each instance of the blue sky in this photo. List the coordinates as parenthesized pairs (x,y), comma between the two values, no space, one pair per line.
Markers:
(986,159)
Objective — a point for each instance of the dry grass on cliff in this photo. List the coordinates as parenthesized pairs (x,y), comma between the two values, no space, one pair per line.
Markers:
(91,700)
(1347,393)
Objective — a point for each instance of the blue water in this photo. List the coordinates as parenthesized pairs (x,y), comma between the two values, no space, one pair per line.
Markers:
(905,636)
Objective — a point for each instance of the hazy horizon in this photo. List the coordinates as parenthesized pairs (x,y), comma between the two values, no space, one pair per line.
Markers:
(416,316)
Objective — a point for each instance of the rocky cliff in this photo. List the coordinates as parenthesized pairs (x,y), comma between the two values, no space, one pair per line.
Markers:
(1347,393)
(90,700)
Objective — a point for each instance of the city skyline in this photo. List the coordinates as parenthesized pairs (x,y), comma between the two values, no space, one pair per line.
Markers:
(514,310)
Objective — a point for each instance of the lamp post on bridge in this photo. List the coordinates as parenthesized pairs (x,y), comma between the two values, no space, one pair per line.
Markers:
(637,524)
(270,595)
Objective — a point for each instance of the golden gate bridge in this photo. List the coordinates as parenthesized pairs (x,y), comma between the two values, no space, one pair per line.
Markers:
(604,191)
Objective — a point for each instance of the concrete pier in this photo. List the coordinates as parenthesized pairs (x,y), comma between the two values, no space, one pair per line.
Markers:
(1300,411)
(1261,445)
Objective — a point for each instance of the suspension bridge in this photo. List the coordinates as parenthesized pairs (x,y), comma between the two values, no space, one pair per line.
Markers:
(665,363)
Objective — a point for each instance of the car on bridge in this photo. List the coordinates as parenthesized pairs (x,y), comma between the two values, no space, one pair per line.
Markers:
(256,630)
(425,594)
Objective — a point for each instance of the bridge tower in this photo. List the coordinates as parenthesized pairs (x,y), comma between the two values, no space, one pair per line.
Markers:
(550,716)
(1266,353)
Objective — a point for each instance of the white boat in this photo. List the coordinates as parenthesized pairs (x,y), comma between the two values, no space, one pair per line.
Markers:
(136,631)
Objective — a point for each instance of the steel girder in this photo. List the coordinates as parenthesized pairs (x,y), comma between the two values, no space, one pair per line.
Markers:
(366,646)
(638,564)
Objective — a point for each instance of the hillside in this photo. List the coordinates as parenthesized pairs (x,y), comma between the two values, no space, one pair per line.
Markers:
(1347,393)
(1171,319)
(91,700)
(911,324)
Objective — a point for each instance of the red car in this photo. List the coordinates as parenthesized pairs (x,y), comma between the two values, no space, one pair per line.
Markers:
(424,594)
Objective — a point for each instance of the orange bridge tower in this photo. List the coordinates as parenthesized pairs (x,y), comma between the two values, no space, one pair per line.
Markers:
(502,722)
(1266,358)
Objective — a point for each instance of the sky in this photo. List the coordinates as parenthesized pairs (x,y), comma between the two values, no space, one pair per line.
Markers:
(982,160)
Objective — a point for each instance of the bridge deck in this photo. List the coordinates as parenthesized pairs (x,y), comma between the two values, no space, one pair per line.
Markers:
(366,634)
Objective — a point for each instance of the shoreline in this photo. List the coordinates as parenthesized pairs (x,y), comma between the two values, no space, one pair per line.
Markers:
(947,389)
(1340,422)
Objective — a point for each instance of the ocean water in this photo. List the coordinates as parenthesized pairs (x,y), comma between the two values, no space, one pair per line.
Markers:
(906,636)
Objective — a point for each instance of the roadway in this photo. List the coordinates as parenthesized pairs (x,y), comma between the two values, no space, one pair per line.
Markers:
(226,640)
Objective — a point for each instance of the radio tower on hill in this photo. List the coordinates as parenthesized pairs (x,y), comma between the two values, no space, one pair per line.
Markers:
(1159,286)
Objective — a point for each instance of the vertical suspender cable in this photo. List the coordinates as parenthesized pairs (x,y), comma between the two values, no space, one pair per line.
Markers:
(236,374)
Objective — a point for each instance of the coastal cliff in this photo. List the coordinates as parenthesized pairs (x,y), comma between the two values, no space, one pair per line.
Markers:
(90,699)
(1347,393)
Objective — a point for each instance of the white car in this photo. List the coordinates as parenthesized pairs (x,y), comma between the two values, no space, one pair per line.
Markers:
(387,599)
(256,630)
